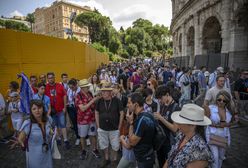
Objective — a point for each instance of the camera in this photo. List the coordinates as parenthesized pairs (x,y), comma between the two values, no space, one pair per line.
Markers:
(44,147)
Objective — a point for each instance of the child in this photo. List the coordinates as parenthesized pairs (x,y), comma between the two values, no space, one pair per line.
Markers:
(14,110)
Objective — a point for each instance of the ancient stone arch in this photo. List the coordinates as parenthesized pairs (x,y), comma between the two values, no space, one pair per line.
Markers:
(211,36)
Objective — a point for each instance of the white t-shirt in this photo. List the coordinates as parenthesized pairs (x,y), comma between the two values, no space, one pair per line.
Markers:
(212,93)
(72,95)
(15,105)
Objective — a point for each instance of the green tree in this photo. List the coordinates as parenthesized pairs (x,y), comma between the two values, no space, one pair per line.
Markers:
(99,47)
(132,50)
(97,25)
(9,24)
(30,18)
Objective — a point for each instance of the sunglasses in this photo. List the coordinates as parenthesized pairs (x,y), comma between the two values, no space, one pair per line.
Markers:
(222,100)
(148,84)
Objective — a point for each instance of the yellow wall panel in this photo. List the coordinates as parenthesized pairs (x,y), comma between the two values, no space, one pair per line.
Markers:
(37,54)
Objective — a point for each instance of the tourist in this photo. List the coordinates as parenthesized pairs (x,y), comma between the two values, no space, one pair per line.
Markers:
(241,91)
(168,106)
(141,131)
(104,76)
(113,77)
(167,75)
(94,87)
(14,109)
(42,78)
(45,99)
(33,82)
(136,79)
(86,118)
(220,115)
(109,117)
(150,104)
(213,76)
(190,149)
(35,137)
(185,87)
(72,92)
(202,82)
(64,81)
(123,79)
(56,93)
(13,87)
(211,94)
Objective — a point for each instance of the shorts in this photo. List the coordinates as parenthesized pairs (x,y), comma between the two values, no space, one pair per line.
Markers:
(89,129)
(59,120)
(17,123)
(108,137)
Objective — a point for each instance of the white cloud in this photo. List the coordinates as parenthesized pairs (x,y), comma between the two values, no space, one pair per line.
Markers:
(92,4)
(128,15)
(16,13)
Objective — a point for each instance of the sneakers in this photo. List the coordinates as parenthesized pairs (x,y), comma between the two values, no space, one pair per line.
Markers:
(96,153)
(77,142)
(83,155)
(67,144)
(104,164)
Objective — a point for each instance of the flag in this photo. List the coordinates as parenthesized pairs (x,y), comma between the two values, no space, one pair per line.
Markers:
(26,94)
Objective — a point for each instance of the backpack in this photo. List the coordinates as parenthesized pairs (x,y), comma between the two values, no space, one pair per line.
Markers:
(160,136)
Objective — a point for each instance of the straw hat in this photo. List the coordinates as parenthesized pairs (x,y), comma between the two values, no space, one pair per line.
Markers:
(191,114)
(106,86)
(83,83)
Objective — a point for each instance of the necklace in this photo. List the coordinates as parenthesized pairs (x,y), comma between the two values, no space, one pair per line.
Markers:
(107,108)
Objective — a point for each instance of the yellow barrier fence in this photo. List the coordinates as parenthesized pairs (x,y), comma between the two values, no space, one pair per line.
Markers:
(38,54)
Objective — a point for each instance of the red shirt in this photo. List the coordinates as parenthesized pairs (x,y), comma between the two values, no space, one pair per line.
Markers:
(56,94)
(35,90)
(87,116)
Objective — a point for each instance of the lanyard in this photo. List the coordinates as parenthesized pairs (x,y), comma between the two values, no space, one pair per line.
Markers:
(43,132)
(107,108)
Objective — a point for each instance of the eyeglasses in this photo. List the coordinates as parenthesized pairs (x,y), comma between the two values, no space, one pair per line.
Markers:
(222,100)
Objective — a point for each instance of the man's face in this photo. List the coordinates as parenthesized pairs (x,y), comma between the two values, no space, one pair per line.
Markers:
(244,75)
(130,105)
(221,82)
(106,94)
(65,79)
(41,90)
(33,81)
(72,87)
(51,79)
(43,78)
(204,69)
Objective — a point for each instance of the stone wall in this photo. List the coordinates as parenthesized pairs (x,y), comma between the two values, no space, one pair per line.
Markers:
(219,28)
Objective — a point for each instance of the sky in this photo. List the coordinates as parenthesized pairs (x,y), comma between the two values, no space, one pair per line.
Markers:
(121,12)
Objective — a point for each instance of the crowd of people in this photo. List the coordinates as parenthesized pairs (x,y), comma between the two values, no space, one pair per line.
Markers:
(123,107)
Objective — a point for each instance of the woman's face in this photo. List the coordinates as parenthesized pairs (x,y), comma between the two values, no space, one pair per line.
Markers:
(221,101)
(150,85)
(37,111)
(94,78)
(184,127)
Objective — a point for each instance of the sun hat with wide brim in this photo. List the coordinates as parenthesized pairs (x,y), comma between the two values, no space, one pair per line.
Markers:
(84,83)
(106,86)
(191,114)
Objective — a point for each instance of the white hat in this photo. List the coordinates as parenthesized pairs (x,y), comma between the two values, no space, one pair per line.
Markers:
(220,69)
(191,114)
(206,73)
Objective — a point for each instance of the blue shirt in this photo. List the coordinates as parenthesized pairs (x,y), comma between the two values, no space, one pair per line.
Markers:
(44,98)
(167,75)
(202,80)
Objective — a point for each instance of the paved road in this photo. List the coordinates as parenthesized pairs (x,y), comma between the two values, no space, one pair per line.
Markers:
(237,154)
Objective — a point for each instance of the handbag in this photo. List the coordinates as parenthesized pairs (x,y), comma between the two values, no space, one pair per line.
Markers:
(218,141)
(55,151)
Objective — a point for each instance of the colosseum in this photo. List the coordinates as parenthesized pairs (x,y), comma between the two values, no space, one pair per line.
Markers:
(210,33)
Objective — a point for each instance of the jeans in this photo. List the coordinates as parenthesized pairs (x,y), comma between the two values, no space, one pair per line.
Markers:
(72,111)
(59,119)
